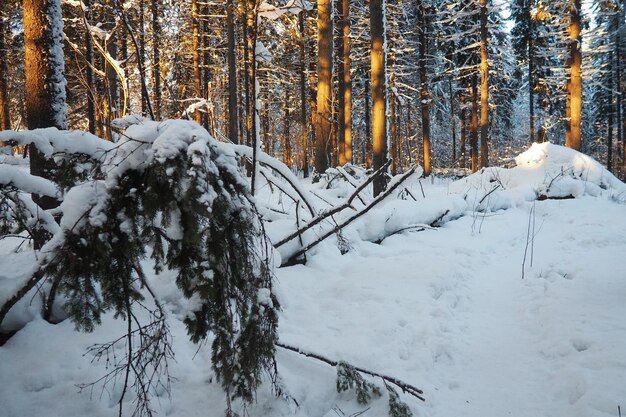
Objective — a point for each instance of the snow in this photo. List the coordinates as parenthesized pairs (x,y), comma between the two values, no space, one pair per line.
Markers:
(450,304)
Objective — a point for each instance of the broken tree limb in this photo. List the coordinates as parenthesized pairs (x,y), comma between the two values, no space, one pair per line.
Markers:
(327,214)
(406,388)
(350,219)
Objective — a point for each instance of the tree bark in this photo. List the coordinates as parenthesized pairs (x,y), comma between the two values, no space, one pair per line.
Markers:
(531,78)
(484,85)
(345,87)
(367,149)
(233,114)
(45,83)
(573,137)
(323,120)
(610,109)
(197,76)
(5,119)
(303,114)
(463,122)
(474,125)
(379,98)
(156,65)
(424,93)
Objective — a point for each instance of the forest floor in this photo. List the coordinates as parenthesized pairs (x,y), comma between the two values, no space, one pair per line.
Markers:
(448,310)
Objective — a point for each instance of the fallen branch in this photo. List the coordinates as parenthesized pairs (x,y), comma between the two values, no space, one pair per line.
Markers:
(406,388)
(327,214)
(350,219)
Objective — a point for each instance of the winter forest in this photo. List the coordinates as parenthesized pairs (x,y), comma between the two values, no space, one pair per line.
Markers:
(273,208)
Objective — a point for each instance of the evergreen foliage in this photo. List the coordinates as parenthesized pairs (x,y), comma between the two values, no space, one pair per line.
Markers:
(349,378)
(169,192)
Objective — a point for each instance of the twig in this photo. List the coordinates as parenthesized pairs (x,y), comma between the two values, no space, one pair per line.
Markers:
(407,388)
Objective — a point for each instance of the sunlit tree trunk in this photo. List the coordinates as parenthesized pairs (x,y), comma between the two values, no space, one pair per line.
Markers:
(323,120)
(303,115)
(378,76)
(573,137)
(345,88)
(233,114)
(484,85)
(197,76)
(474,125)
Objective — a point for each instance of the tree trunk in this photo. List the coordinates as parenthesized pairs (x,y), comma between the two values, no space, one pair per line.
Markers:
(452,121)
(197,76)
(367,149)
(394,132)
(531,79)
(573,138)
(484,85)
(233,115)
(142,59)
(463,121)
(378,75)
(474,125)
(323,126)
(610,109)
(344,134)
(45,83)
(287,154)
(5,119)
(303,116)
(424,93)
(156,66)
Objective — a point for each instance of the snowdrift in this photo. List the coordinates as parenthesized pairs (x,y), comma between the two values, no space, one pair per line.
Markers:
(544,171)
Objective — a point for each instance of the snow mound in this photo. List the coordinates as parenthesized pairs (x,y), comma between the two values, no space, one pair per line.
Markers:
(544,171)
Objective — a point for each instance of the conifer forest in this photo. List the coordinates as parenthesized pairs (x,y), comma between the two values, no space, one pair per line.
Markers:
(312,208)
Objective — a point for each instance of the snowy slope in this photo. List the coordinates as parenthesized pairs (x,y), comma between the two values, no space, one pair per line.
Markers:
(444,309)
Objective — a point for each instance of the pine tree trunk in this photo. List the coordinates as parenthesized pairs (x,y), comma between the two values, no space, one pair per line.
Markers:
(344,95)
(5,119)
(484,85)
(394,132)
(452,120)
(610,109)
(424,92)
(573,138)
(233,114)
(367,149)
(531,80)
(378,76)
(347,81)
(287,154)
(141,59)
(341,87)
(303,115)
(463,121)
(474,125)
(197,76)
(45,83)
(156,65)
(323,127)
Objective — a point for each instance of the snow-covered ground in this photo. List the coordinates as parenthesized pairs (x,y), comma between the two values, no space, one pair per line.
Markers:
(488,322)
